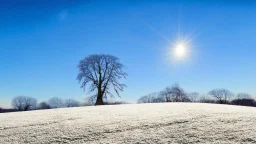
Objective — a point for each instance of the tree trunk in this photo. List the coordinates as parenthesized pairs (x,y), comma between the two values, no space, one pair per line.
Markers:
(99,100)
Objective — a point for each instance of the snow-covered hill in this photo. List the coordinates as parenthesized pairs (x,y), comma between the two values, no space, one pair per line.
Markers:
(132,123)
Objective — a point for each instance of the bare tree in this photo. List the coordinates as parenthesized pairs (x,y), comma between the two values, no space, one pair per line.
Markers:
(101,72)
(72,103)
(194,96)
(175,94)
(222,95)
(243,96)
(56,102)
(44,105)
(24,103)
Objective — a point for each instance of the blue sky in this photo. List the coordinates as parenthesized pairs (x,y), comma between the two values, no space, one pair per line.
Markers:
(41,43)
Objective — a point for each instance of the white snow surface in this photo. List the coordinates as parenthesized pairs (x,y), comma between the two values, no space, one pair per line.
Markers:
(132,123)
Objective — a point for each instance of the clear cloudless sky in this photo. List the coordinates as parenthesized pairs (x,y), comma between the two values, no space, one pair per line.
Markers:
(42,41)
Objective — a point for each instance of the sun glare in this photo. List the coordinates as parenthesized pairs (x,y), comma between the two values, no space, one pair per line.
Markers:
(180,50)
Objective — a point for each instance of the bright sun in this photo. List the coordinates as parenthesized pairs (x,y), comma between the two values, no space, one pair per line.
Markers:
(180,50)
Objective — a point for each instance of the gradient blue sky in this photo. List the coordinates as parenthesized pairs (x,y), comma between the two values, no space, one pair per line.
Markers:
(42,41)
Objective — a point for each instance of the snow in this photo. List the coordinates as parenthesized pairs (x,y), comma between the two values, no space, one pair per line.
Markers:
(132,123)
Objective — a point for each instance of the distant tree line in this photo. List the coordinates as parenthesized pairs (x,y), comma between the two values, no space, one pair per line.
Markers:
(175,93)
(25,103)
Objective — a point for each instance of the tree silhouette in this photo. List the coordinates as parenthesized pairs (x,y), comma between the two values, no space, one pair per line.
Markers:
(222,95)
(174,94)
(24,103)
(101,72)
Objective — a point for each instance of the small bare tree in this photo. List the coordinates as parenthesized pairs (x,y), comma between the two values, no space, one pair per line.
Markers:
(101,72)
(72,103)
(222,95)
(56,102)
(175,94)
(24,103)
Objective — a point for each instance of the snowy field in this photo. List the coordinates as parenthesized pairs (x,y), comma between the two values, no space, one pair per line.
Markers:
(132,123)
